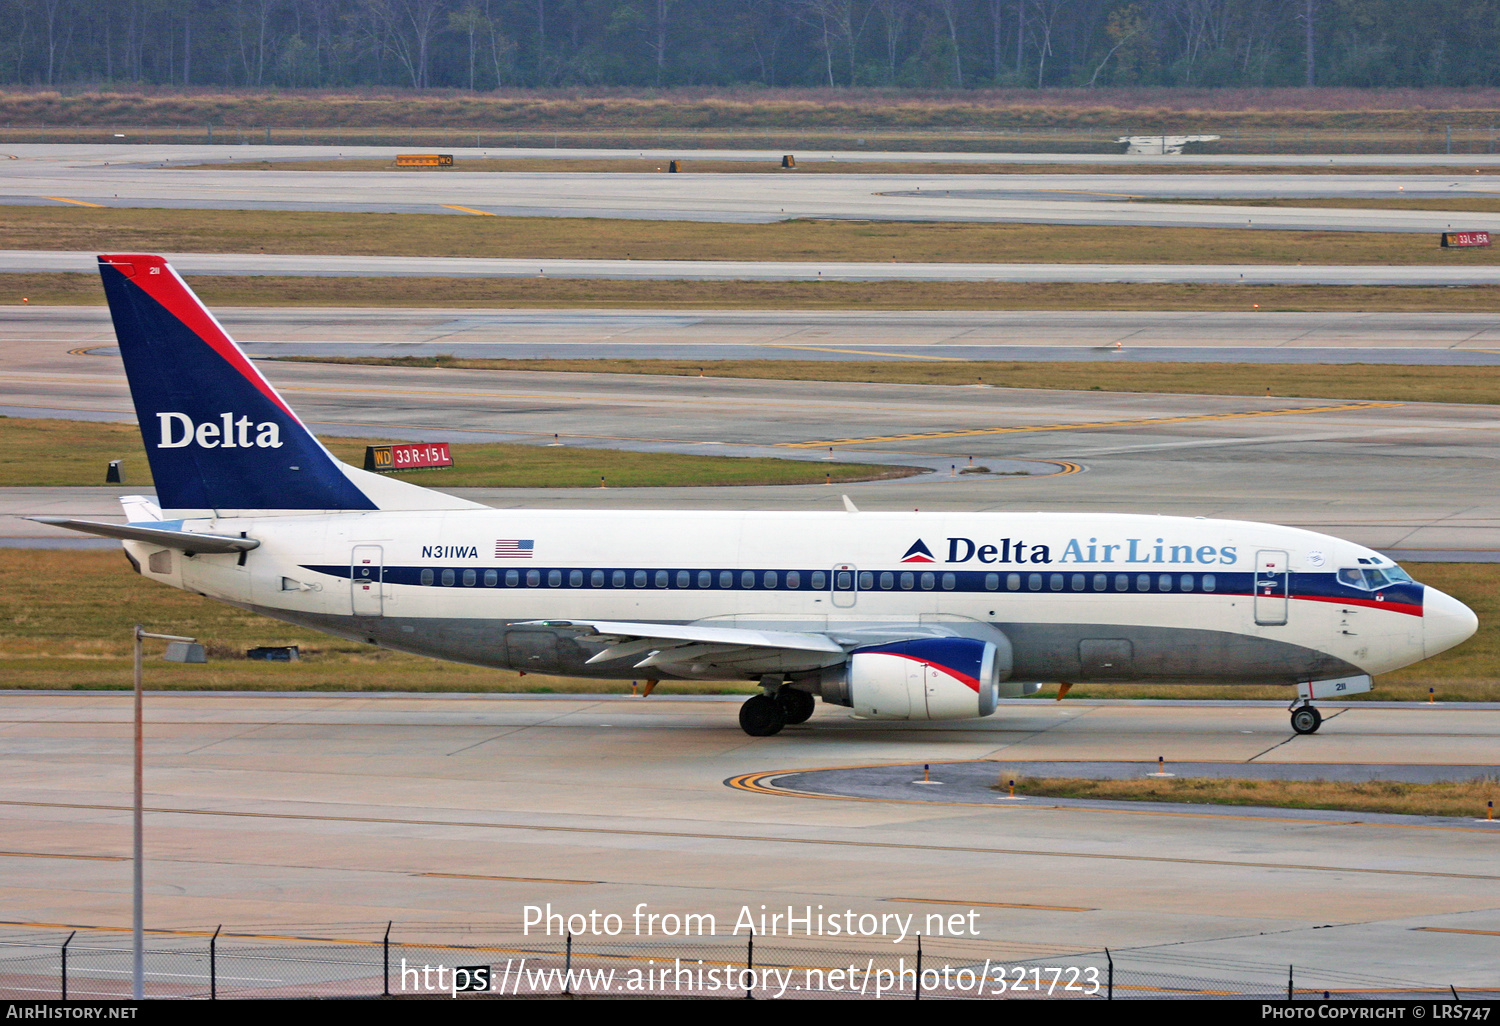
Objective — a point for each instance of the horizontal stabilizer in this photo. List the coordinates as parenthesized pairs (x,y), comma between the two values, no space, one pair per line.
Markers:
(184,541)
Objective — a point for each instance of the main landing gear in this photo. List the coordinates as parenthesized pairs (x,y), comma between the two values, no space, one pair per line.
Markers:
(765,715)
(1306,719)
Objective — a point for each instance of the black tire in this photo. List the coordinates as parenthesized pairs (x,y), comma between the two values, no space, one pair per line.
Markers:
(796,706)
(1306,720)
(761,717)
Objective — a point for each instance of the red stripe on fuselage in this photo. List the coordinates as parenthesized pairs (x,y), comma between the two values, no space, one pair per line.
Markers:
(159,280)
(1389,607)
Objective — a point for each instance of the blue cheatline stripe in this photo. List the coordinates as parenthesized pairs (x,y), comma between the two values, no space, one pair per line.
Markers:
(1303,585)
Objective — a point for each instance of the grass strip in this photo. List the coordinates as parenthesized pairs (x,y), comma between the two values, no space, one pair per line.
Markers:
(48,453)
(1457,799)
(689,164)
(144,230)
(1386,382)
(65,623)
(65,289)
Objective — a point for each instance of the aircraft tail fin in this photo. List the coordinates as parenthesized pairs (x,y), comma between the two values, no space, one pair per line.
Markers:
(218,435)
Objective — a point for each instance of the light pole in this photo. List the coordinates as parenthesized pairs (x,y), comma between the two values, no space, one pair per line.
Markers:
(179,650)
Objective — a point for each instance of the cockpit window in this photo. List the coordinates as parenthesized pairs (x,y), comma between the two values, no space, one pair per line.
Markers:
(1371,579)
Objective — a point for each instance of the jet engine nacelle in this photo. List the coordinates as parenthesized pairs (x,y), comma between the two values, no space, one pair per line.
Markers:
(924,679)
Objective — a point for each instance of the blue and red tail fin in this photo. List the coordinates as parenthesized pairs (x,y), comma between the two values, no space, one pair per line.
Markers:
(219,437)
(217,434)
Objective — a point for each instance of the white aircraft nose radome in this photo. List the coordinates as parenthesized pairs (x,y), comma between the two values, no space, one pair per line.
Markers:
(1445,622)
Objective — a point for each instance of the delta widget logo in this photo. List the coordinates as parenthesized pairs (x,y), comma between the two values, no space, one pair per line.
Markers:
(918,553)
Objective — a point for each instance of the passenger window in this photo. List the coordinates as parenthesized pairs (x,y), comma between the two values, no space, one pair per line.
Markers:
(1034,582)
(533,578)
(1210,582)
(1101,582)
(726,579)
(1122,582)
(950,581)
(928,580)
(1012,582)
(639,578)
(661,578)
(512,578)
(818,581)
(1164,582)
(684,578)
(1055,582)
(991,582)
(769,579)
(1185,582)
(747,578)
(554,578)
(426,576)
(596,579)
(866,580)
(843,580)
(448,578)
(794,579)
(575,578)
(617,579)
(887,580)
(907,581)
(1143,582)
(471,578)
(705,579)
(491,578)
(1077,582)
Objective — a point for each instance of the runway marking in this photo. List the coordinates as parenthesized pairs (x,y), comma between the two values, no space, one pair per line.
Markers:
(864,352)
(1090,425)
(1450,929)
(753,782)
(89,350)
(993,904)
(514,879)
(80,203)
(467,210)
(58,855)
(812,841)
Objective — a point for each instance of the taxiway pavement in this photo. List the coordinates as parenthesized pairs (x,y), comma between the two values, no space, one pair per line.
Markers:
(447,814)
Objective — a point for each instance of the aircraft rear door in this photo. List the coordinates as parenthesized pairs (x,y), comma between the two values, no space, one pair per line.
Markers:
(365,577)
(1272,587)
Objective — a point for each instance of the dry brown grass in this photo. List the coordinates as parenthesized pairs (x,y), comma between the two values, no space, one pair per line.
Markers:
(72,452)
(1466,798)
(556,294)
(1399,383)
(117,230)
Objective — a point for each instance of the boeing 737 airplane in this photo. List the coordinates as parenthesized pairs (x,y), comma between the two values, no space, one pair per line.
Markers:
(899,616)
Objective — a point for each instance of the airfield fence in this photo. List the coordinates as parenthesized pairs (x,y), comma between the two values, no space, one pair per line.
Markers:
(93,965)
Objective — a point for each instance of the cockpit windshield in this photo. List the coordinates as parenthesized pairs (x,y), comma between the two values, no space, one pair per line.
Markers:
(1371,579)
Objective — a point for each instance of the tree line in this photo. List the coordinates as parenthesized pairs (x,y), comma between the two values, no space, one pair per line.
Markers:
(485,45)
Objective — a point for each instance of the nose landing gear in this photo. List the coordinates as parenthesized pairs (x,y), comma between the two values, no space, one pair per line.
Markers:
(1306,719)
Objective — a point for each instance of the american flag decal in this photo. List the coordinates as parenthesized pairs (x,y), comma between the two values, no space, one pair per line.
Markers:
(513,548)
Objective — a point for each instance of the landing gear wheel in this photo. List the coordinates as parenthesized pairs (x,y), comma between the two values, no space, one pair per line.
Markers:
(761,716)
(796,706)
(1306,720)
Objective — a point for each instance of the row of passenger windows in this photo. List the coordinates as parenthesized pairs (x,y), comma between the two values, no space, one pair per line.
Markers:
(817,580)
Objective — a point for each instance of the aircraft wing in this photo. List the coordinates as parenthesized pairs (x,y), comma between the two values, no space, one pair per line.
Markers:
(156,534)
(679,648)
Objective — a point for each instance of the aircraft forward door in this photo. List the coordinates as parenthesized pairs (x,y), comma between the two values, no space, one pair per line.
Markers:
(366,574)
(1272,587)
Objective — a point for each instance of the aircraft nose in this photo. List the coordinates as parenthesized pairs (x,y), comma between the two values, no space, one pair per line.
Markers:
(1445,622)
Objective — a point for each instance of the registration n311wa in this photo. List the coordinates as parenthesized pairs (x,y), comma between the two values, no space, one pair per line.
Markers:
(900,616)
